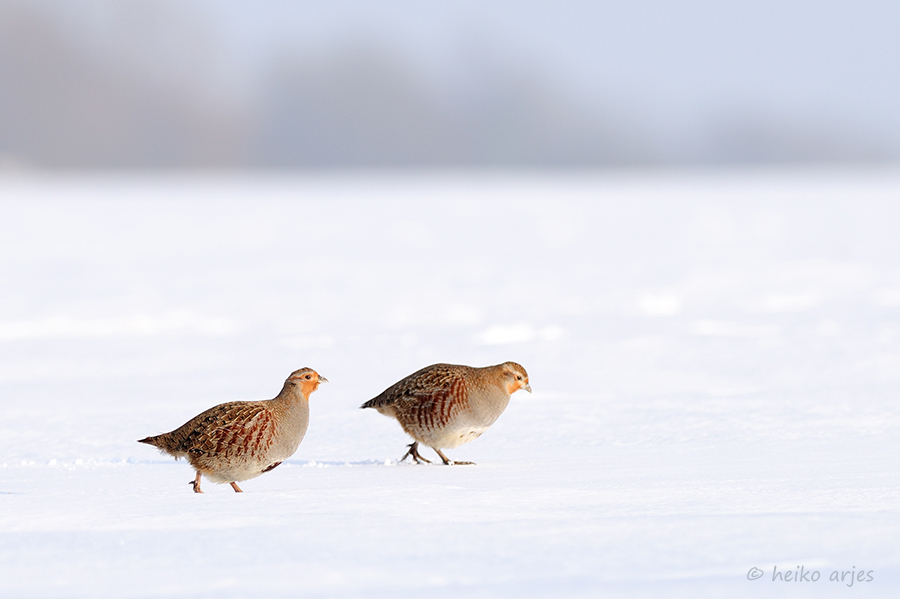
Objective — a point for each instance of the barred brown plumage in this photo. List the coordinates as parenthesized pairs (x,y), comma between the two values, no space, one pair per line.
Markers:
(446,405)
(239,440)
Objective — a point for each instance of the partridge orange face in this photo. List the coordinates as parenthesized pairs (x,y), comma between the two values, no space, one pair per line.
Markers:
(515,377)
(308,380)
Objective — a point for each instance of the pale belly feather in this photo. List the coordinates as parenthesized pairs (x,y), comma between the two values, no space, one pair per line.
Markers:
(456,436)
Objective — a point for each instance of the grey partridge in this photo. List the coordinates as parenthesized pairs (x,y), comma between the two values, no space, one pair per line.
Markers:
(239,440)
(446,405)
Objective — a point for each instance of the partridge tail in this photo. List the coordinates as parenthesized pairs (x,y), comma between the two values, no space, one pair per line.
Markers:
(162,442)
(378,402)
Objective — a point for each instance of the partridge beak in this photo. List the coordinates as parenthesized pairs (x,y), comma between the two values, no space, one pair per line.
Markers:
(527,387)
(322,379)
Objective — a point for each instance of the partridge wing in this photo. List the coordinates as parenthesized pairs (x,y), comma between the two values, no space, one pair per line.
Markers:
(232,430)
(433,398)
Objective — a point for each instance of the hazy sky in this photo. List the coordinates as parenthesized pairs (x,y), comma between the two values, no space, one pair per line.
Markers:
(689,78)
(801,57)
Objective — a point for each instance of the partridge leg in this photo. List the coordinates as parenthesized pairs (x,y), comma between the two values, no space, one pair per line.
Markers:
(196,484)
(414,453)
(450,462)
(236,488)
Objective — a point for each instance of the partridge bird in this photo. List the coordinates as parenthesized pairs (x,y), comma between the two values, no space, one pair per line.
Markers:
(445,405)
(240,440)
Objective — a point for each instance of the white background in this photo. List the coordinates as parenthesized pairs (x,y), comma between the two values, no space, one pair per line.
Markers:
(715,360)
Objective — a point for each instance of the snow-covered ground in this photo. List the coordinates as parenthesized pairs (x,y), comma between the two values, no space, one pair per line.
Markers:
(715,360)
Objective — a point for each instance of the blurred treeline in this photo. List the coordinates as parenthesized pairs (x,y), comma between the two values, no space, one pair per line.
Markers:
(153,89)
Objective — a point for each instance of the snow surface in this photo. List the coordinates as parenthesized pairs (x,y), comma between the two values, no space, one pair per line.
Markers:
(715,360)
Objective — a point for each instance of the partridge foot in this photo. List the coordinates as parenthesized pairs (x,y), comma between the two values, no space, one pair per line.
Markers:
(449,462)
(414,453)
